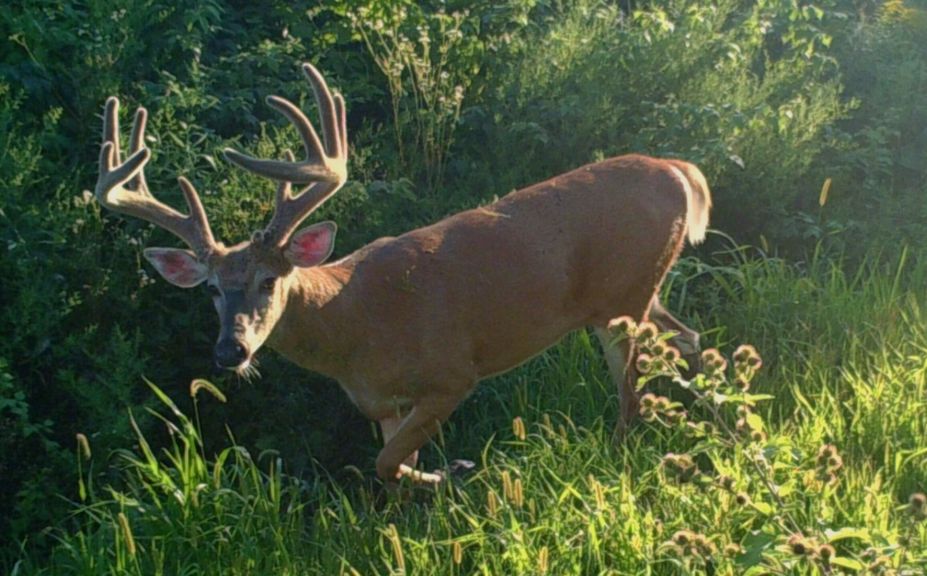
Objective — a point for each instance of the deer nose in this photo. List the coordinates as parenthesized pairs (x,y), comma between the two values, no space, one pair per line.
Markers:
(231,353)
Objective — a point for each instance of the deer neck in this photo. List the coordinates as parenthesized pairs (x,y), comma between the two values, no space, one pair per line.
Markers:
(314,330)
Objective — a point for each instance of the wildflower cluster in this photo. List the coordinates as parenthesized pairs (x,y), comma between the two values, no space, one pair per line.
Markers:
(762,478)
(656,356)
(660,408)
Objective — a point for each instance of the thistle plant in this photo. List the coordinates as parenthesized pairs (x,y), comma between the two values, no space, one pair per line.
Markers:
(778,490)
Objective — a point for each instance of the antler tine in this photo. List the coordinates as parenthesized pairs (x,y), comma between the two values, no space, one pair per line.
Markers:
(323,97)
(325,168)
(325,161)
(290,210)
(121,186)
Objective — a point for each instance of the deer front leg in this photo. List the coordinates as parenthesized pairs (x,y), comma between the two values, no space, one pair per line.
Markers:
(389,427)
(417,428)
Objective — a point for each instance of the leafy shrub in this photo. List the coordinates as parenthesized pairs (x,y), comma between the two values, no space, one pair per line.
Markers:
(704,82)
(752,92)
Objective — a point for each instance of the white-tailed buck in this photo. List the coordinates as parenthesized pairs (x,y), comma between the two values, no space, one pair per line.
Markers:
(409,325)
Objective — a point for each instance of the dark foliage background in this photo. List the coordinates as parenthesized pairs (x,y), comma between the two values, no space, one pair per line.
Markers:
(450,104)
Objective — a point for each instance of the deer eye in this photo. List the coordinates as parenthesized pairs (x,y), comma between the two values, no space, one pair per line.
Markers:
(213,290)
(267,284)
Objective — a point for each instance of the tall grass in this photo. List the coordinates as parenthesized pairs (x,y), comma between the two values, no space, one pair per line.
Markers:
(845,356)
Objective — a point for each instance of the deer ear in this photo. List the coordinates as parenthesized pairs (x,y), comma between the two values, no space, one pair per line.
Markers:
(179,267)
(311,245)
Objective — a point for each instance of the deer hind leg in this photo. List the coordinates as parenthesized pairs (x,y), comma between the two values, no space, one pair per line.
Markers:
(618,357)
(401,446)
(686,339)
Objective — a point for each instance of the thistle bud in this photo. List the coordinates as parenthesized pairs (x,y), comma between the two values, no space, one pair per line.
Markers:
(680,466)
(647,331)
(682,537)
(710,356)
(644,363)
(743,352)
(648,400)
(671,355)
(732,550)
(623,326)
(826,552)
(918,505)
(918,501)
(798,545)
(726,482)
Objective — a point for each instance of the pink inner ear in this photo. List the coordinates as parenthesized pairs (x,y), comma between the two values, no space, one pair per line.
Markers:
(310,247)
(177,267)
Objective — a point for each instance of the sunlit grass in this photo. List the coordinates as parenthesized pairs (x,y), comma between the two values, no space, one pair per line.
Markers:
(845,356)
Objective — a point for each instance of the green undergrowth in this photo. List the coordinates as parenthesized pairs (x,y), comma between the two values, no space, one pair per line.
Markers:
(812,464)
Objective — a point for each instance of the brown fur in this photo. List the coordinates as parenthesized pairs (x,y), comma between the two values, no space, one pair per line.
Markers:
(420,319)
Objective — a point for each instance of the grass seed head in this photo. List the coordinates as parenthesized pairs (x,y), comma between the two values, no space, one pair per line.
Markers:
(518,428)
(507,488)
(127,533)
(83,446)
(543,560)
(518,493)
(492,503)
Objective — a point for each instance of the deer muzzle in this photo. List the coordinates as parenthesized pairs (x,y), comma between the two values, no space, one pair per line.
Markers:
(230,353)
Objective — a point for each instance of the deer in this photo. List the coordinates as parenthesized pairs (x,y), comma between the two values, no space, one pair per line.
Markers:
(409,325)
